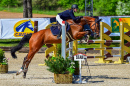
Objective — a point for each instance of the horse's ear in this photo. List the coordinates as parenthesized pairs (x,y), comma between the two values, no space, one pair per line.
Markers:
(99,20)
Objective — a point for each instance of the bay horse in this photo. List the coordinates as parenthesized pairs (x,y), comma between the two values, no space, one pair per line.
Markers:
(38,39)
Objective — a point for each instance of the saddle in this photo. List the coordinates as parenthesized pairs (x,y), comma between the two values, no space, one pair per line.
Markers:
(56,29)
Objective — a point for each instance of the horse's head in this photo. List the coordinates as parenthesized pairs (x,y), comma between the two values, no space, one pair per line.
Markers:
(94,25)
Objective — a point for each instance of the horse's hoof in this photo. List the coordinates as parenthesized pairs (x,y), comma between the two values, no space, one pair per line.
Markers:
(17,73)
(20,71)
(24,76)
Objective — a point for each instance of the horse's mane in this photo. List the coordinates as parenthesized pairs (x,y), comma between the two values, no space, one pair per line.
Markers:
(85,18)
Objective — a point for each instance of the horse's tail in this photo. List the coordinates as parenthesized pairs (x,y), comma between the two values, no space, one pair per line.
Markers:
(24,40)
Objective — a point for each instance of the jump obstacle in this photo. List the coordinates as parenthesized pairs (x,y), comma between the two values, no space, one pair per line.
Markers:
(53,48)
(105,41)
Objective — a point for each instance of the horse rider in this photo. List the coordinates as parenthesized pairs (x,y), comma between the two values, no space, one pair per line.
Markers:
(68,14)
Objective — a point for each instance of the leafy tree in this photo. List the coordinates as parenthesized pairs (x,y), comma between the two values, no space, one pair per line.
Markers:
(105,7)
(123,8)
(8,3)
(45,4)
(100,7)
(125,1)
(19,3)
(68,3)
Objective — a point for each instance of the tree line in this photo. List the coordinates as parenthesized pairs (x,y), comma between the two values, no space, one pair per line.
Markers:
(100,7)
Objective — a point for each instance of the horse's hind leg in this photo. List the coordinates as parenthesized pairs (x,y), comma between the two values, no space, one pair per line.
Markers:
(23,66)
(33,49)
(34,46)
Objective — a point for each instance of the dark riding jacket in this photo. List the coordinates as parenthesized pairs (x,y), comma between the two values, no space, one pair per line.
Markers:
(68,14)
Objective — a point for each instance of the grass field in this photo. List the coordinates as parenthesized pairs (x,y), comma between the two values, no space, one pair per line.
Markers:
(48,12)
(14,42)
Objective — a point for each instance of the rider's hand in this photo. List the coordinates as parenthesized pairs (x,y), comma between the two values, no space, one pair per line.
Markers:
(80,17)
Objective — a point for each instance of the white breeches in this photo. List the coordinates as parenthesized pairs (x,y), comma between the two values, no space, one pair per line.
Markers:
(59,19)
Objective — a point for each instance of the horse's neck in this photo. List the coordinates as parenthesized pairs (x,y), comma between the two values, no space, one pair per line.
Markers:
(86,20)
(89,18)
(70,21)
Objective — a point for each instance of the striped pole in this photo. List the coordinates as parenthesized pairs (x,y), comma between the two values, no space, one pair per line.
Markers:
(104,41)
(104,48)
(127,45)
(105,56)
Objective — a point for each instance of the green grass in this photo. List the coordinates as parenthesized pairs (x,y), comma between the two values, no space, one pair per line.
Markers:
(88,46)
(94,45)
(47,12)
(14,42)
(12,9)
(52,12)
(9,42)
(3,63)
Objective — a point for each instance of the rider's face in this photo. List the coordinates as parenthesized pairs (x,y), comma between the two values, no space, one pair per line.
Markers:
(75,10)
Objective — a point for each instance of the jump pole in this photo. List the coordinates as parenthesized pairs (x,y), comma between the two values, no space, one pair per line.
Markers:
(63,50)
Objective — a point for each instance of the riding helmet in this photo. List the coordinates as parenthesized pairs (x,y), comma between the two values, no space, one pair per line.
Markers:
(74,6)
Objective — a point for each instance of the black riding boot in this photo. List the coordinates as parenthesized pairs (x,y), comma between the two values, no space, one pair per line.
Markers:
(58,36)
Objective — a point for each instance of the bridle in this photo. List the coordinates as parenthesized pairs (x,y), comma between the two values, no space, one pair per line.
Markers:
(86,20)
(96,21)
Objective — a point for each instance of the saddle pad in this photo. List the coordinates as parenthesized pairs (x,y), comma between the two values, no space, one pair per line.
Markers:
(55,31)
